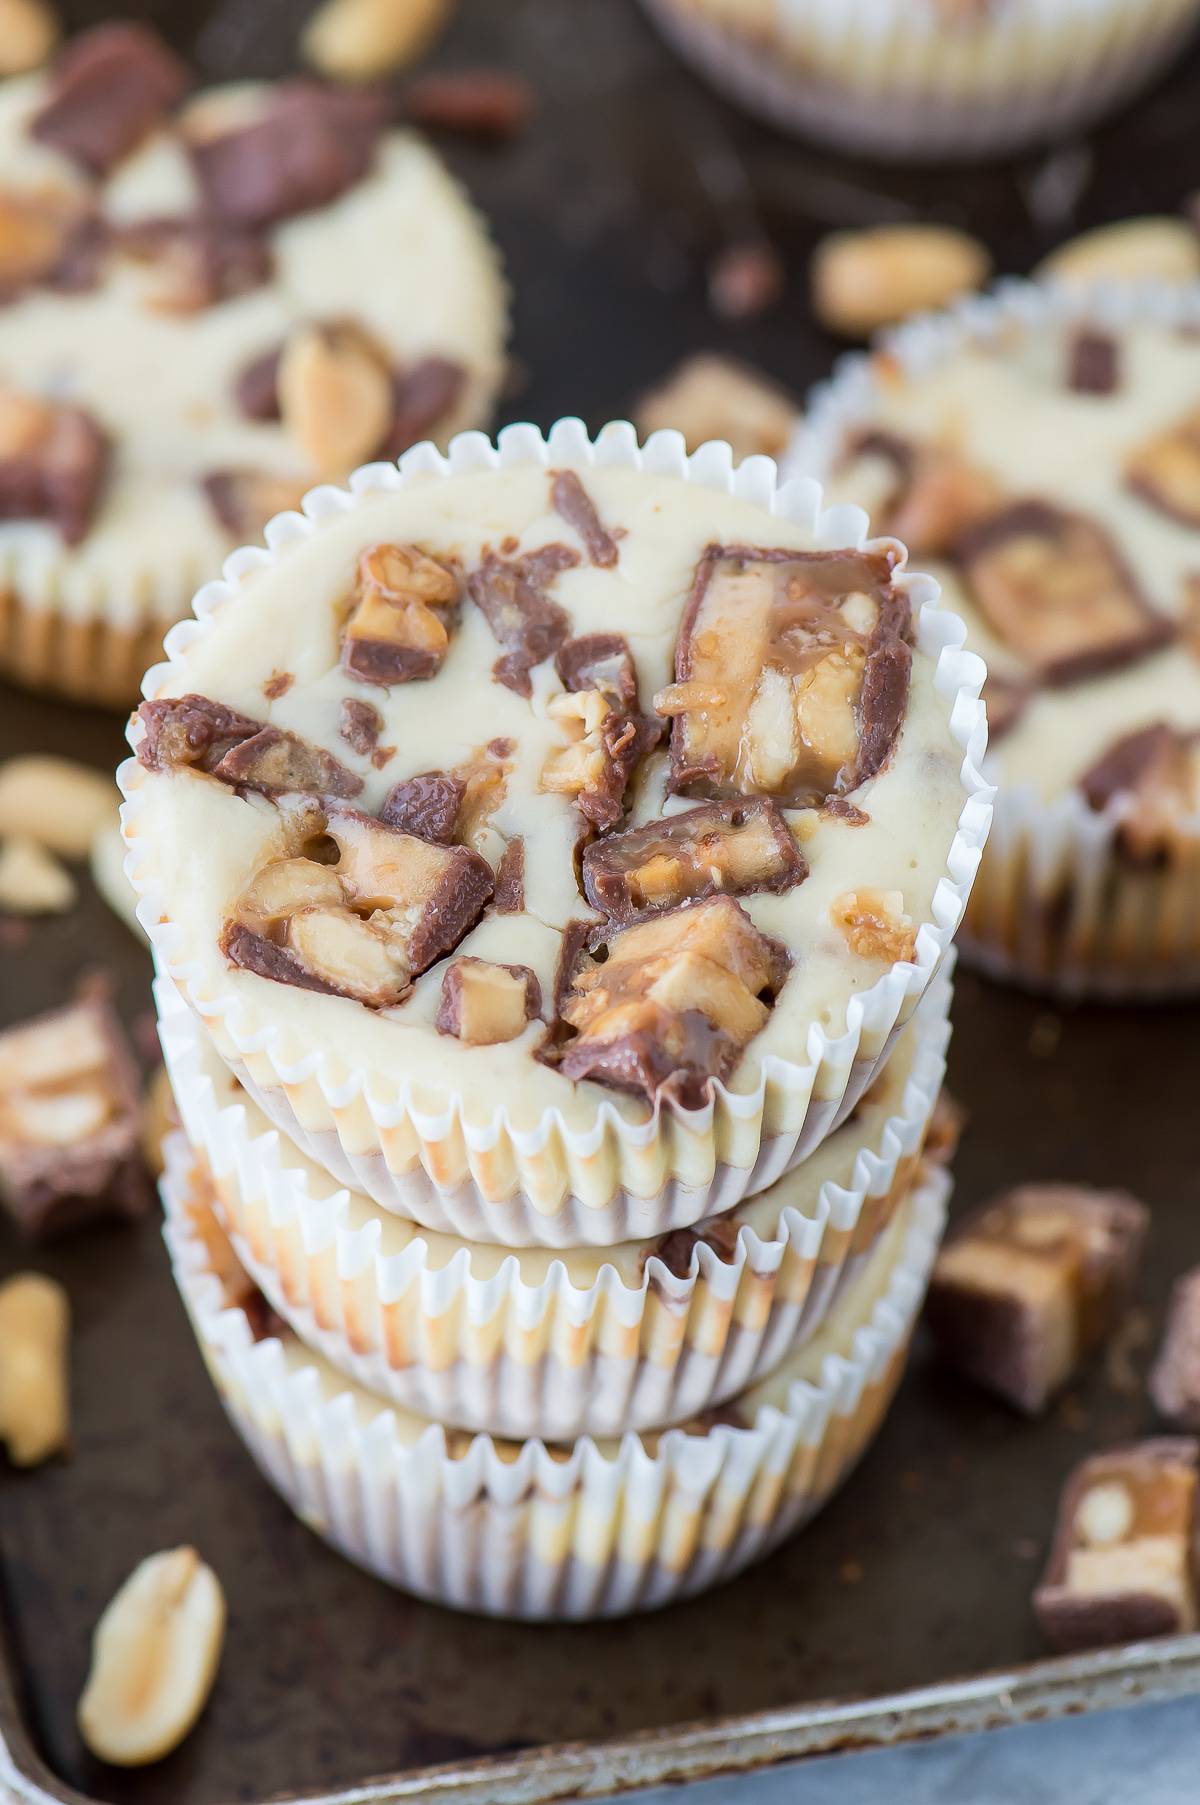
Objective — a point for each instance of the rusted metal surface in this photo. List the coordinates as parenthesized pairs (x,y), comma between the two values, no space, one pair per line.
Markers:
(920,1573)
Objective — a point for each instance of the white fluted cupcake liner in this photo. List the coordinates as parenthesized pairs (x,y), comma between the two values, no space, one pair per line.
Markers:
(898,78)
(1055,906)
(592,1529)
(522,1345)
(559,1184)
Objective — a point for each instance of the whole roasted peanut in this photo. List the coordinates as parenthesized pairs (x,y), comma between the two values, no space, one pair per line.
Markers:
(1154,248)
(32,882)
(28,33)
(359,40)
(35,1320)
(864,280)
(56,802)
(154,1659)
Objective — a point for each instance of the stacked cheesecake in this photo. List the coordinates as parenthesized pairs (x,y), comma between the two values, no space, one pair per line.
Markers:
(551,854)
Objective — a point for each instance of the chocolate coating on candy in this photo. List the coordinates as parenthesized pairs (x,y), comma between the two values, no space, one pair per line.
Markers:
(203,260)
(1094,366)
(422,396)
(483,1003)
(1006,701)
(600,661)
(304,149)
(426,805)
(677,1249)
(792,674)
(1055,588)
(190,730)
(1029,1285)
(360,725)
(1165,472)
(1122,1565)
(53,464)
(509,898)
(109,88)
(511,594)
(1158,770)
(720,847)
(404,607)
(572,501)
(276,762)
(1174,1383)
(936,495)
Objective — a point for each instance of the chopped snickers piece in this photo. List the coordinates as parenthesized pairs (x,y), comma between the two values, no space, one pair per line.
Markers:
(1165,471)
(1094,366)
(792,674)
(936,494)
(70,1121)
(360,725)
(365,925)
(838,809)
(667,1003)
(306,146)
(601,661)
(728,848)
(484,777)
(1122,1564)
(509,898)
(1026,1287)
(483,1003)
(423,397)
(573,503)
(244,500)
(46,239)
(1158,770)
(601,756)
(256,387)
(404,605)
(676,1250)
(875,924)
(511,596)
(277,762)
(190,730)
(109,88)
(53,462)
(1056,589)
(199,259)
(426,805)
(481,103)
(1174,1383)
(713,397)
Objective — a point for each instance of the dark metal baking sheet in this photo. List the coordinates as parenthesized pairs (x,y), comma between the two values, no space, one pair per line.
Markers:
(920,1573)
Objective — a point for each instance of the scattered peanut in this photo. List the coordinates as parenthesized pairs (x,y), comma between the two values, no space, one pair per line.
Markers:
(108,875)
(54,801)
(875,924)
(360,40)
(159,1119)
(32,882)
(712,397)
(35,1320)
(1154,248)
(864,280)
(335,399)
(28,33)
(154,1659)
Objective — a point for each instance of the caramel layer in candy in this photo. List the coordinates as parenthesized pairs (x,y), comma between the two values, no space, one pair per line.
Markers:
(1027,1286)
(1174,1383)
(362,923)
(1166,471)
(935,496)
(307,146)
(792,674)
(511,594)
(729,847)
(109,88)
(70,1121)
(1056,589)
(603,750)
(1122,1563)
(404,606)
(1158,769)
(668,1002)
(53,463)
(483,1003)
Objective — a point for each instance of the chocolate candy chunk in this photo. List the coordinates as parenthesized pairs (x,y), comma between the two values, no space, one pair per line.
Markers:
(426,805)
(677,1249)
(109,88)
(482,1003)
(53,463)
(305,148)
(572,501)
(360,725)
(201,260)
(1166,471)
(1122,1564)
(190,730)
(510,879)
(482,103)
(1055,588)
(1027,1286)
(49,240)
(792,674)
(511,596)
(70,1121)
(1093,363)
(276,762)
(935,495)
(422,398)
(1175,1377)
(365,925)
(729,847)
(1158,770)
(601,661)
(244,500)
(256,387)
(667,1003)
(602,753)
(838,809)
(266,1324)
(1006,701)
(403,608)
